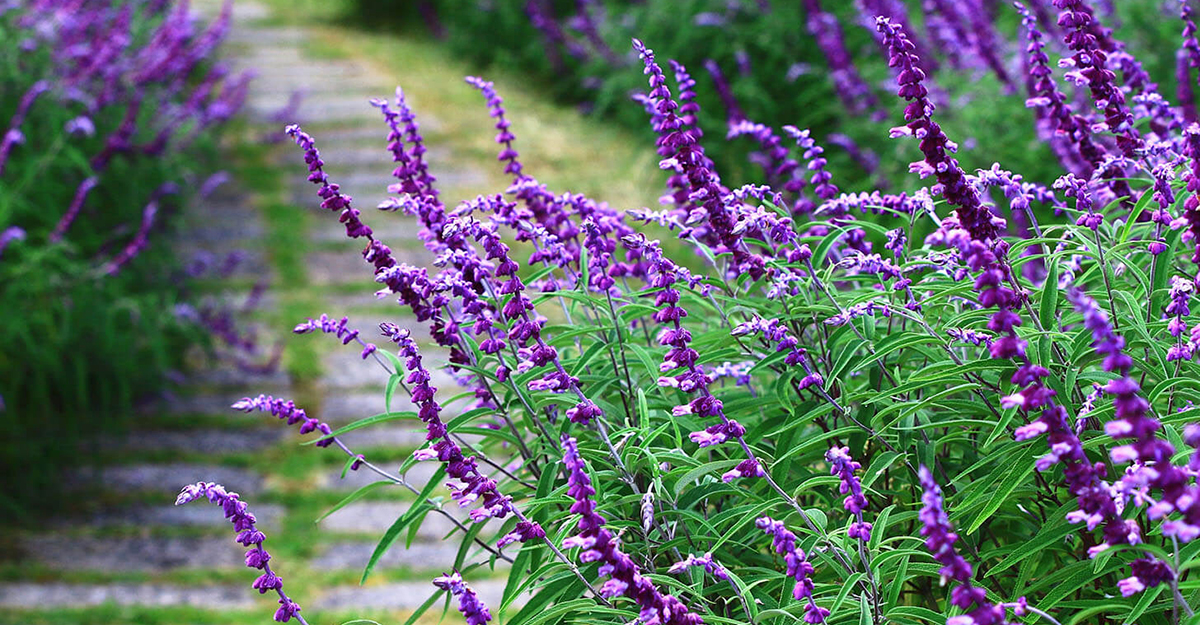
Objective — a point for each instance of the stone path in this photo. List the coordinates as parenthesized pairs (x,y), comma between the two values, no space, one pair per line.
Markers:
(130,527)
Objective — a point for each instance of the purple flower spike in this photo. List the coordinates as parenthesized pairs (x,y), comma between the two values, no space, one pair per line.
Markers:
(935,145)
(1089,61)
(288,411)
(843,466)
(469,604)
(597,544)
(939,539)
(706,561)
(249,536)
(495,104)
(798,566)
(329,326)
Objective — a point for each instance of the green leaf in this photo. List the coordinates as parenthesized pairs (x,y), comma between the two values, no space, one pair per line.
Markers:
(362,423)
(392,534)
(1050,292)
(352,497)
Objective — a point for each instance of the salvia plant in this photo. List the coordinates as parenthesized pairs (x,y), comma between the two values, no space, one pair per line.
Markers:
(970,404)
(811,63)
(108,112)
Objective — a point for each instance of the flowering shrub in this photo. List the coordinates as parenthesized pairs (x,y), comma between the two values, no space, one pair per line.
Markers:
(813,63)
(108,111)
(967,405)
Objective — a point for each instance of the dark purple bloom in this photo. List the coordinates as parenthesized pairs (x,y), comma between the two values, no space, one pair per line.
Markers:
(936,147)
(706,561)
(14,136)
(1080,26)
(843,466)
(338,329)
(469,604)
(10,234)
(597,544)
(798,567)
(939,540)
(248,535)
(288,411)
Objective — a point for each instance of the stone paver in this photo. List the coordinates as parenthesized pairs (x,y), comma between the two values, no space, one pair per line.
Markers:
(80,553)
(418,475)
(375,517)
(340,408)
(268,516)
(197,441)
(420,556)
(166,478)
(401,596)
(385,436)
(33,595)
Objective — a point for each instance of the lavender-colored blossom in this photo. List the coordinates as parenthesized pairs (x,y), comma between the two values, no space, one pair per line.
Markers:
(469,604)
(939,540)
(936,147)
(13,135)
(475,485)
(843,466)
(1089,60)
(705,561)
(9,235)
(597,544)
(783,541)
(288,411)
(337,328)
(257,557)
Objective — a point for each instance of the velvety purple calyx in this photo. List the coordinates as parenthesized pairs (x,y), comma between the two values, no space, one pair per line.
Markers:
(597,544)
(1078,24)
(243,521)
(337,328)
(940,538)
(784,542)
(934,144)
(474,487)
(469,604)
(843,466)
(287,411)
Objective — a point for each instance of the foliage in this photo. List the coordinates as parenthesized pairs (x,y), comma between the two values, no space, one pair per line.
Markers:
(107,110)
(812,406)
(778,72)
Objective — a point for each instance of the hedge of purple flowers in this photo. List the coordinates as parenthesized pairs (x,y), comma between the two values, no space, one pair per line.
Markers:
(972,403)
(109,113)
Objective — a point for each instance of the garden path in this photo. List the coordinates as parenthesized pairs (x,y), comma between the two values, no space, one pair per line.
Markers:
(131,557)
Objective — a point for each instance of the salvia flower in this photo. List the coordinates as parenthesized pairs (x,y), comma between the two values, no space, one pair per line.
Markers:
(939,539)
(952,182)
(339,329)
(288,411)
(705,561)
(469,604)
(843,466)
(798,566)
(257,557)
(597,544)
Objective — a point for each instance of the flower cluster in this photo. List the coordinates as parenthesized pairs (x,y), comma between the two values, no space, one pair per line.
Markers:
(597,544)
(257,557)
(798,567)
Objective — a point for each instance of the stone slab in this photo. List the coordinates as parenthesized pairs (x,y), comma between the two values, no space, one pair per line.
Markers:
(197,441)
(165,478)
(70,553)
(417,476)
(32,595)
(375,517)
(401,596)
(420,556)
(269,517)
